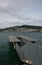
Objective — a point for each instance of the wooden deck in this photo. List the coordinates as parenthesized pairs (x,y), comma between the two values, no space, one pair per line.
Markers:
(27,38)
(13,39)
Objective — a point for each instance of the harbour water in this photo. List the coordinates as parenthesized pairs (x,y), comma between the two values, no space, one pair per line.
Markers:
(8,56)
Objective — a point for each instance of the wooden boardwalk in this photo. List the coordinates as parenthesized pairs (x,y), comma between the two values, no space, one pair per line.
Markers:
(27,38)
(13,39)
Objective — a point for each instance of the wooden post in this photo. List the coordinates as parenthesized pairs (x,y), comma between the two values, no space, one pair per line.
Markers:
(14,45)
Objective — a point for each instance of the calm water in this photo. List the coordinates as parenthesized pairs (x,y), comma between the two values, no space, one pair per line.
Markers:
(8,55)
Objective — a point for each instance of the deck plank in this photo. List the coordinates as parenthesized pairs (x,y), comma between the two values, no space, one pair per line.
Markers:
(13,39)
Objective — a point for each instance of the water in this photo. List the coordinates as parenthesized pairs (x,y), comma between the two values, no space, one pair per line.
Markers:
(8,55)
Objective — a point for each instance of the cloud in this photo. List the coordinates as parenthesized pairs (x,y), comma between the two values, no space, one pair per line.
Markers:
(19,12)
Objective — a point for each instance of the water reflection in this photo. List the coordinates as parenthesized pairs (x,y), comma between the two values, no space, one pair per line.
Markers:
(13,56)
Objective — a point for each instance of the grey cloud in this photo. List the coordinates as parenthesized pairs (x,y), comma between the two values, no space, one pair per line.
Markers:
(18,5)
(27,12)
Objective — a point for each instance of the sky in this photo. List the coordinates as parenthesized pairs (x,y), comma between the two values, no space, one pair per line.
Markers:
(20,12)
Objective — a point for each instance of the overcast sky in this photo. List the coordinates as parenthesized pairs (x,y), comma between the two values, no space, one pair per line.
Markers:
(19,12)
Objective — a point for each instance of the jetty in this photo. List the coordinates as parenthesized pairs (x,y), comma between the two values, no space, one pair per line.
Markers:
(13,40)
(28,49)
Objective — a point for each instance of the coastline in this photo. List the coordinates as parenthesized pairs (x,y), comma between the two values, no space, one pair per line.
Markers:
(23,28)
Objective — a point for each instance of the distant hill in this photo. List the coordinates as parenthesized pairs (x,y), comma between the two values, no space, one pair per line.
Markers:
(28,26)
(22,28)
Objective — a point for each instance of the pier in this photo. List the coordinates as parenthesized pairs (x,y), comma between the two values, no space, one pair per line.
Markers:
(13,40)
(26,48)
